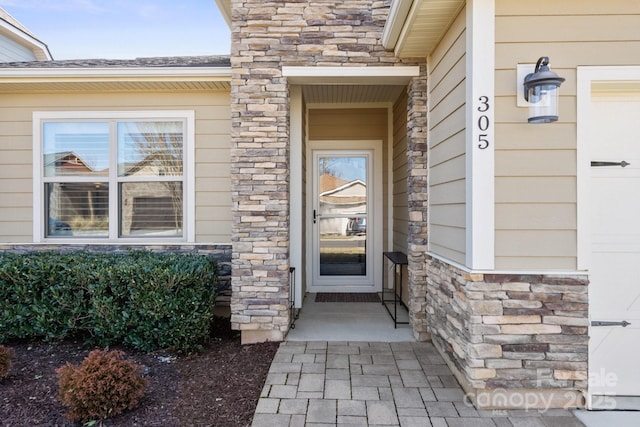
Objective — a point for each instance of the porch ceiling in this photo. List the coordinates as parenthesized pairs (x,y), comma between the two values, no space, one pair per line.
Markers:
(351,94)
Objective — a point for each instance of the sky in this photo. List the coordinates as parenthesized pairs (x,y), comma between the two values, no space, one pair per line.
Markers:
(124,29)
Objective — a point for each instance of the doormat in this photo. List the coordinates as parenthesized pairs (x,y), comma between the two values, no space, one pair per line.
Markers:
(347,297)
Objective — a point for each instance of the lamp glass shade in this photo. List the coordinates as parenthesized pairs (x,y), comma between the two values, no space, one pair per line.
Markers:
(543,103)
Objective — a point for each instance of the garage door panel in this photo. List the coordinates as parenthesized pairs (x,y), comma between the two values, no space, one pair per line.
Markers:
(613,368)
(614,273)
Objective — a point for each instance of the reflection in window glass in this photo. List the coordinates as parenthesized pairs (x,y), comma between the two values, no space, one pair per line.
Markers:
(80,148)
(143,161)
(342,204)
(151,209)
(150,148)
(77,209)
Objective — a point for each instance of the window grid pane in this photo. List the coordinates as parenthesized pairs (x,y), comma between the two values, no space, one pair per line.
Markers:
(150,149)
(151,209)
(77,209)
(76,149)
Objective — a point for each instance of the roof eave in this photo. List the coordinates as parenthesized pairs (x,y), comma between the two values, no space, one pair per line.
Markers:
(404,31)
(224,6)
(40,50)
(398,13)
(116,74)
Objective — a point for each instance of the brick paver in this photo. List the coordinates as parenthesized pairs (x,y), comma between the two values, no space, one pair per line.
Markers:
(344,384)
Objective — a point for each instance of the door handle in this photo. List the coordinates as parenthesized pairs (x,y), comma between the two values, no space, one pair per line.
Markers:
(624,323)
(315,216)
(622,163)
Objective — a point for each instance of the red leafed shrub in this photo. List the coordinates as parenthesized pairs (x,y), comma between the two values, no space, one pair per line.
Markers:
(5,361)
(103,386)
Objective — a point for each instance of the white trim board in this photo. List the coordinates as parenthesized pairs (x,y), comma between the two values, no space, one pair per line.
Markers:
(480,161)
(11,75)
(296,214)
(506,272)
(351,75)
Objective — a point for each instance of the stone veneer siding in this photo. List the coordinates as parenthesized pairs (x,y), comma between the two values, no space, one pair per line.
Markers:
(512,340)
(265,36)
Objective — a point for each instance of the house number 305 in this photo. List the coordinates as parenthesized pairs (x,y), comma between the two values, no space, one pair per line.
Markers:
(483,123)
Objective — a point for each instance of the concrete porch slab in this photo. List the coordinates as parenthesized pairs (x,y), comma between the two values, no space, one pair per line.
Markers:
(328,321)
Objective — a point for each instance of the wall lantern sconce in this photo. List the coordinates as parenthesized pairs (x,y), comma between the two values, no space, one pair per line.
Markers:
(541,91)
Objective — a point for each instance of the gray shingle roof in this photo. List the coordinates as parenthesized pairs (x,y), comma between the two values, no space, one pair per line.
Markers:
(174,61)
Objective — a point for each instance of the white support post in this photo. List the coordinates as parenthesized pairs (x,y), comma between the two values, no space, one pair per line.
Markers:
(295,189)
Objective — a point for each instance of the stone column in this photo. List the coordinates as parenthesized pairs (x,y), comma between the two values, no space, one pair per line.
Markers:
(417,194)
(260,183)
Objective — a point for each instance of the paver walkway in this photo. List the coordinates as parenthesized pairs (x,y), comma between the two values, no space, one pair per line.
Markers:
(318,383)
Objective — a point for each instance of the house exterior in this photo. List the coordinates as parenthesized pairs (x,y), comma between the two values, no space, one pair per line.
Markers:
(17,43)
(521,238)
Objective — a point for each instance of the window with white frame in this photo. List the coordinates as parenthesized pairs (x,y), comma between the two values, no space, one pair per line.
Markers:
(112,176)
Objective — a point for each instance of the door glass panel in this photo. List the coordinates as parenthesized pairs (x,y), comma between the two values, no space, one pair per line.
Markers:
(342,215)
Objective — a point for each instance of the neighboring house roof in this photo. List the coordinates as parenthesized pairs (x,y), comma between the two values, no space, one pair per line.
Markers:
(211,72)
(330,182)
(337,190)
(355,188)
(16,35)
(66,160)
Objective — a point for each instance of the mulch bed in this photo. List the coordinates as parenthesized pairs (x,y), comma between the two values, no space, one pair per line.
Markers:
(218,387)
(347,297)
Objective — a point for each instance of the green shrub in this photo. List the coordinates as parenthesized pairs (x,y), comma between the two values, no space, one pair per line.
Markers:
(5,361)
(154,302)
(41,295)
(142,299)
(103,386)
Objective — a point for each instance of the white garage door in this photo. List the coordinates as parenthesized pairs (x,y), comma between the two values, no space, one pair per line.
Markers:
(614,292)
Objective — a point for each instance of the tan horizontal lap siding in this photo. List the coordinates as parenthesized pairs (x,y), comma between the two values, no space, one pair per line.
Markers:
(15,172)
(348,124)
(536,164)
(212,181)
(447,172)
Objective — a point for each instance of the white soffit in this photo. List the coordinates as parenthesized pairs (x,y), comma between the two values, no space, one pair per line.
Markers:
(351,94)
(414,31)
(399,75)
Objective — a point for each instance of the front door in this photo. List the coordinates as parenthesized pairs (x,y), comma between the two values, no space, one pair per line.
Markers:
(614,294)
(343,221)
